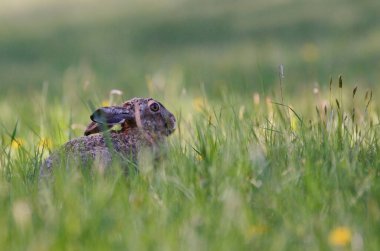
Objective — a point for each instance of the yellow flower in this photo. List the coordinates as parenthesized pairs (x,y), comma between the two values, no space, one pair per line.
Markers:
(17,143)
(44,143)
(199,104)
(105,103)
(340,236)
(255,230)
(199,157)
(293,121)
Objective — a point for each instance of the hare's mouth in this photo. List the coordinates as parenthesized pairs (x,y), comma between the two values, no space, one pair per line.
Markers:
(170,128)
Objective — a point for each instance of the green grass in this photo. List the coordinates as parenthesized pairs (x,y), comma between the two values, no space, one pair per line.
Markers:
(237,176)
(242,172)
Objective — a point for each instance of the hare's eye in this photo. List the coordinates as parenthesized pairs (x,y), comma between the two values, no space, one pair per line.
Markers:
(154,107)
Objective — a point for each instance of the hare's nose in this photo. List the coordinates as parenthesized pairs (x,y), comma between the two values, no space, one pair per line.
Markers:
(174,122)
(171,123)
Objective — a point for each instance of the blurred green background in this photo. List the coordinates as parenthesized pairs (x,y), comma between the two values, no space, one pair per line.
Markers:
(214,46)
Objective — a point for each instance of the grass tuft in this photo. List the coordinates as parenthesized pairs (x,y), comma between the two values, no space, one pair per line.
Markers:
(231,178)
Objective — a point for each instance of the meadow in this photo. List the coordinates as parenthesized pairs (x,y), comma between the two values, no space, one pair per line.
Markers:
(259,161)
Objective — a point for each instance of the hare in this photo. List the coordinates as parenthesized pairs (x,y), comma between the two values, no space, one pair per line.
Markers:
(144,122)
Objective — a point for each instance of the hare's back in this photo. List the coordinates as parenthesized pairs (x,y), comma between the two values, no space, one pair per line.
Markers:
(99,148)
(114,142)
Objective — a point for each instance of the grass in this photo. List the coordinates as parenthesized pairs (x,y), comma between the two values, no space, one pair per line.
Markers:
(239,175)
(258,162)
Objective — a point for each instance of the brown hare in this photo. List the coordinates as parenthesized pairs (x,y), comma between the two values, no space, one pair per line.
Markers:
(144,122)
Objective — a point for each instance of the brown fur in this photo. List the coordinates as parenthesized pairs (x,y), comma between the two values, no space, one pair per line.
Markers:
(102,149)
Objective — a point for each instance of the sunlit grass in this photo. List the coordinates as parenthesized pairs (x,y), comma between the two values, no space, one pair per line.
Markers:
(241,173)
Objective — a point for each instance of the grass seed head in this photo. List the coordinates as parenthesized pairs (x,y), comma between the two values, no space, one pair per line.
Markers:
(337,103)
(354,91)
(331,80)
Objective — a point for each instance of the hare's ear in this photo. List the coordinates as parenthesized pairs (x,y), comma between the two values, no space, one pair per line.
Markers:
(112,115)
(91,129)
(94,127)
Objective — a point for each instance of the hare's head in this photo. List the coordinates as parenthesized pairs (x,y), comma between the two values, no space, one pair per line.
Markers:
(146,114)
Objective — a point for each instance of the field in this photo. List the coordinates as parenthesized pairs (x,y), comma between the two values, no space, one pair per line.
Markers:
(259,161)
